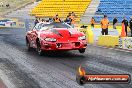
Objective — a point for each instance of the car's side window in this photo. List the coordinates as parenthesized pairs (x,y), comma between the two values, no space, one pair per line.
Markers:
(37,27)
(40,26)
(34,28)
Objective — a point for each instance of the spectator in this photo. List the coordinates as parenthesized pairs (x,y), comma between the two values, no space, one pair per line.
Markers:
(115,23)
(130,22)
(39,19)
(126,24)
(36,21)
(43,20)
(50,20)
(92,22)
(73,14)
(68,20)
(56,19)
(72,17)
(104,24)
(69,14)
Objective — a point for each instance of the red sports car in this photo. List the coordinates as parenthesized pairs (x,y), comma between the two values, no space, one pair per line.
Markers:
(55,36)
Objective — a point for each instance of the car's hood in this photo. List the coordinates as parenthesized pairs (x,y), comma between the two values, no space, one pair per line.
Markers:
(61,32)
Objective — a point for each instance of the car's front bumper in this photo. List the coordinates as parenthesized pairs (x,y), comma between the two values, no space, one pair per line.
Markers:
(64,45)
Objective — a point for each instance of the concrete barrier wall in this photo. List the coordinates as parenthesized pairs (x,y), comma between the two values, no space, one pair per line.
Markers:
(108,41)
(94,36)
(96,33)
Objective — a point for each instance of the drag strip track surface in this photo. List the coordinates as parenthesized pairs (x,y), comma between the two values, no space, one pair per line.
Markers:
(25,69)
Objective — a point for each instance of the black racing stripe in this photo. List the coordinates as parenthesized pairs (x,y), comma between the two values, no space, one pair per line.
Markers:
(56,32)
(70,33)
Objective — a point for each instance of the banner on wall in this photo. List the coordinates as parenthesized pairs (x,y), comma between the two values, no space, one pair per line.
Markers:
(127,43)
(7,23)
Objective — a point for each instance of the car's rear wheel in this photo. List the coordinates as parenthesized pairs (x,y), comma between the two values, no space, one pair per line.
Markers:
(28,45)
(39,50)
(81,50)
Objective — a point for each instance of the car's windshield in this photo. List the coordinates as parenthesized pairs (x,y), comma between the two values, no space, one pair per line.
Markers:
(43,26)
(58,25)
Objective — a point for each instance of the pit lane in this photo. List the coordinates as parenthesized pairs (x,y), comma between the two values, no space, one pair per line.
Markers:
(56,70)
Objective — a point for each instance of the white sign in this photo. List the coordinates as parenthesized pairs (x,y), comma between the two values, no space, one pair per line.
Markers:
(127,43)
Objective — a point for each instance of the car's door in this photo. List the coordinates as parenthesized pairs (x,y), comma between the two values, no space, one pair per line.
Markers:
(33,38)
(35,34)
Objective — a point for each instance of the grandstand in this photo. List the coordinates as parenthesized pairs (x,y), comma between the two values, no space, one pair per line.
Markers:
(84,9)
(48,8)
(118,8)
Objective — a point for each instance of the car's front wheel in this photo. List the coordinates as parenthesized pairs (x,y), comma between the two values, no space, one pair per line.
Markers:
(39,50)
(81,50)
(80,80)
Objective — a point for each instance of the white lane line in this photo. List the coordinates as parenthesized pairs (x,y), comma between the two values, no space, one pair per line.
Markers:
(6,81)
(123,50)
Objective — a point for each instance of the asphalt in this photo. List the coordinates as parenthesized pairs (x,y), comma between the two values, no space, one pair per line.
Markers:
(2,85)
(22,69)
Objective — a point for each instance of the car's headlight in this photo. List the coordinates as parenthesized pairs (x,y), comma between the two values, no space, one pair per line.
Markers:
(50,39)
(82,38)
